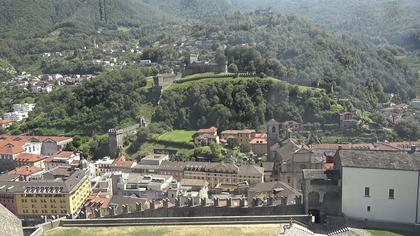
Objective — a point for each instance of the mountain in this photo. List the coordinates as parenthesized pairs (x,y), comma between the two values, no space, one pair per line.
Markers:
(395,21)
(28,18)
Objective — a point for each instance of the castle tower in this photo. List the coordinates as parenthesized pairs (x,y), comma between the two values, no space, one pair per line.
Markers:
(273,136)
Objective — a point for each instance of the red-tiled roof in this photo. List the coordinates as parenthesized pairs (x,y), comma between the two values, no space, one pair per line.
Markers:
(29,157)
(258,141)
(11,148)
(5,122)
(98,200)
(121,162)
(64,154)
(211,130)
(25,170)
(28,138)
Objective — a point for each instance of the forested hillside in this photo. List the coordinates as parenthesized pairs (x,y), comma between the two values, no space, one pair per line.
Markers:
(395,21)
(237,103)
(297,51)
(28,18)
(107,101)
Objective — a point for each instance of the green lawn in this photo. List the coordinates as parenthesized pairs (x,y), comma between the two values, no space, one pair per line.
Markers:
(231,230)
(180,136)
(378,232)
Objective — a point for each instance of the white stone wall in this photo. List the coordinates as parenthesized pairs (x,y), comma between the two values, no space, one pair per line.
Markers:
(401,209)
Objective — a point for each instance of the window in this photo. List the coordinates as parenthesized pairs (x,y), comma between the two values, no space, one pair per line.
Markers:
(367,192)
(391,193)
(368,208)
(273,129)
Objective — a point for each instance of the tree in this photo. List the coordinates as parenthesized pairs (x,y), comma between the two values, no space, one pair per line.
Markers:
(408,130)
(233,68)
(245,147)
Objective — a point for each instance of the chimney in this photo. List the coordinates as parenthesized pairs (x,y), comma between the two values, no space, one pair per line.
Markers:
(340,147)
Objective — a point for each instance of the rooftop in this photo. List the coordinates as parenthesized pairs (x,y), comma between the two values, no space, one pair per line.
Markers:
(379,160)
(25,170)
(208,130)
(243,131)
(29,157)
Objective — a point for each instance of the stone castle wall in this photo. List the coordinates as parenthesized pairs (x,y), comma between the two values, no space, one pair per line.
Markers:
(197,68)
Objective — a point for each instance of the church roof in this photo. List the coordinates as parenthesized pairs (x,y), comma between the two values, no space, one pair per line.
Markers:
(379,159)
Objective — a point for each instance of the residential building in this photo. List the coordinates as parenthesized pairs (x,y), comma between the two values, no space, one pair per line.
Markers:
(103,166)
(29,159)
(15,116)
(63,158)
(25,107)
(27,172)
(45,145)
(347,121)
(173,168)
(154,159)
(147,186)
(122,164)
(205,137)
(259,144)
(5,124)
(238,136)
(48,197)
(214,173)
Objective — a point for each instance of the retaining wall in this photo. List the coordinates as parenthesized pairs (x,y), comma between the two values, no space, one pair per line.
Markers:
(216,211)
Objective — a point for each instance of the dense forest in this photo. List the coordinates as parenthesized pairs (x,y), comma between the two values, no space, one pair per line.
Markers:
(237,103)
(107,101)
(393,21)
(297,51)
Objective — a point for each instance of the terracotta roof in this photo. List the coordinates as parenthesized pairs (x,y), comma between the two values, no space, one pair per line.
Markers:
(5,122)
(95,199)
(11,147)
(258,141)
(29,157)
(121,162)
(27,138)
(25,170)
(64,154)
(208,130)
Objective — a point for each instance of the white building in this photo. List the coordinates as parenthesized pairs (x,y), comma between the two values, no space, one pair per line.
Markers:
(380,186)
(15,116)
(24,107)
